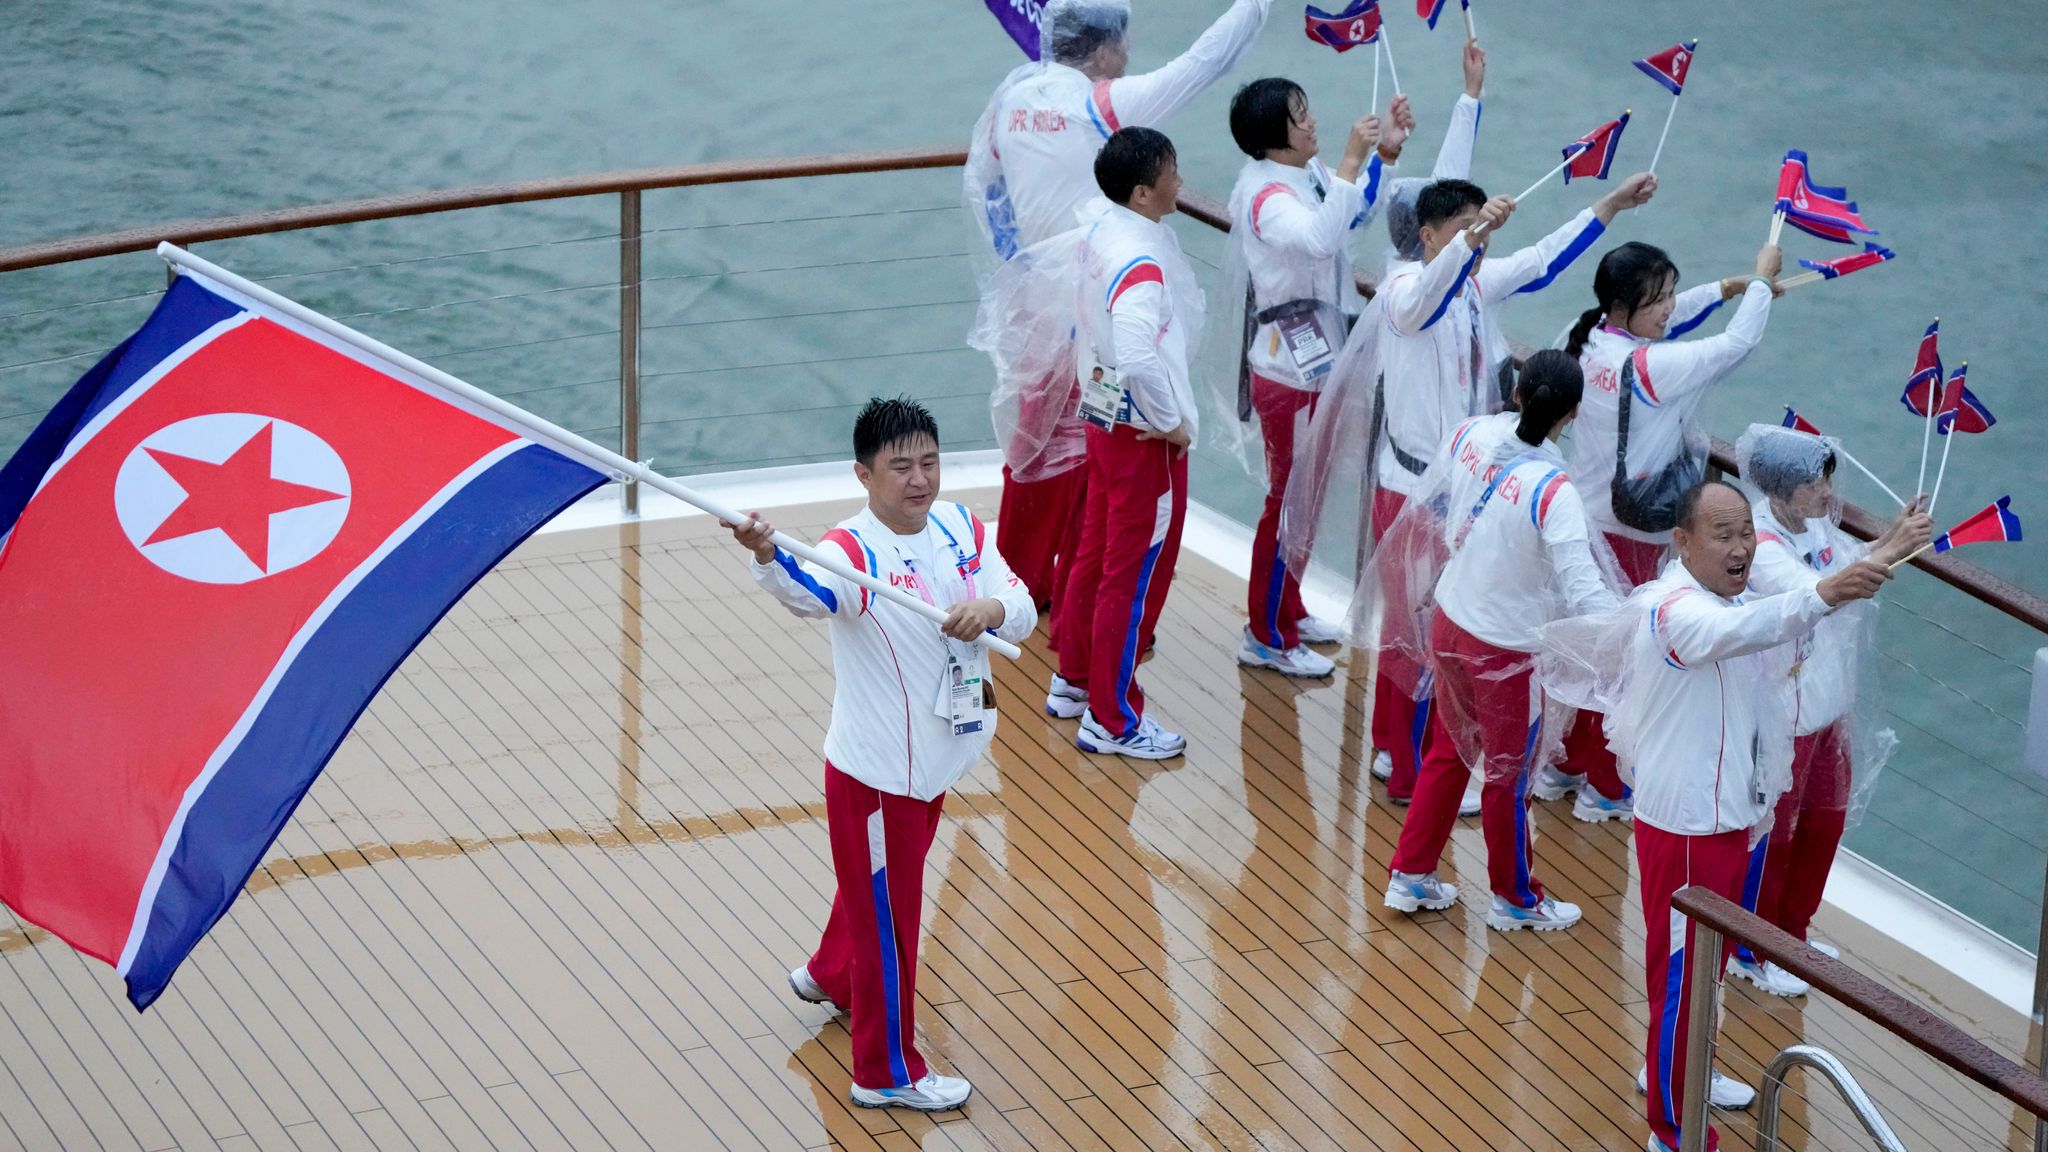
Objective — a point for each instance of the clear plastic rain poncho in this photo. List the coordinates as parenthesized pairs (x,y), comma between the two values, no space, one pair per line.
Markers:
(1069,32)
(1461,490)
(1829,673)
(1326,515)
(1027,324)
(1303,298)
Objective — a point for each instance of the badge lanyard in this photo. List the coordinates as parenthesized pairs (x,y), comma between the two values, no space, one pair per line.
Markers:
(966,695)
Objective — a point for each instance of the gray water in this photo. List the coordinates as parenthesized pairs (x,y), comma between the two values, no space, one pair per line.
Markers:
(762,336)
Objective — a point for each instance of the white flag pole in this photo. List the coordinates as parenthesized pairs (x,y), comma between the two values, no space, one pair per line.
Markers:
(1466,7)
(1948,441)
(1934,398)
(1659,154)
(1392,71)
(1777,226)
(1802,278)
(553,435)
(1867,472)
(1376,41)
(1545,178)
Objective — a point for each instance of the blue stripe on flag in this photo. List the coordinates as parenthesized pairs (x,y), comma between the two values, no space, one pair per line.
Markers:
(185,311)
(332,680)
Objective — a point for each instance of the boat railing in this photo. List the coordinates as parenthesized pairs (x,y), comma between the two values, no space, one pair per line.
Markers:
(1718,921)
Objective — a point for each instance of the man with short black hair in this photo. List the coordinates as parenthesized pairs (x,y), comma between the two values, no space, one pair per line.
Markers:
(1142,311)
(1707,732)
(912,709)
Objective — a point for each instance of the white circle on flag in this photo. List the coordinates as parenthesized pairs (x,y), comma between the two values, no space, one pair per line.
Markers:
(231,497)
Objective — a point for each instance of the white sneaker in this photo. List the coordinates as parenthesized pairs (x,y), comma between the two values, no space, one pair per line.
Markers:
(1316,630)
(1824,948)
(1413,892)
(934,1093)
(1554,783)
(1722,1091)
(807,989)
(1768,977)
(1594,808)
(1382,765)
(1468,804)
(1299,660)
(1549,915)
(1063,700)
(1148,741)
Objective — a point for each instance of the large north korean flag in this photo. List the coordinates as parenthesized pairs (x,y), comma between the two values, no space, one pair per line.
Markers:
(213,552)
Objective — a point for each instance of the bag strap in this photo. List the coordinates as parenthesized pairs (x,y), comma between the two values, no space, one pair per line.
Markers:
(1628,401)
(1244,355)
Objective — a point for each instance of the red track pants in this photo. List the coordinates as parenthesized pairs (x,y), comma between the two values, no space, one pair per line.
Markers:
(1788,871)
(1273,601)
(1493,688)
(1137,503)
(1667,862)
(1041,522)
(867,959)
(1402,726)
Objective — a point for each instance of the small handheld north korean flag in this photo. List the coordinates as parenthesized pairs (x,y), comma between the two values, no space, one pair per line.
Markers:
(1357,24)
(1996,523)
(214,550)
(1798,423)
(1431,9)
(1961,411)
(1820,211)
(1593,154)
(1843,265)
(1920,388)
(1669,66)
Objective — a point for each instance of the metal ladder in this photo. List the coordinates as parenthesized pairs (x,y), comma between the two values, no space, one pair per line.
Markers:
(1824,1062)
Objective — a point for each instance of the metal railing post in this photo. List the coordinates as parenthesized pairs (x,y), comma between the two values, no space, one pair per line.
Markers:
(2037,760)
(629,340)
(1703,1019)
(1825,1063)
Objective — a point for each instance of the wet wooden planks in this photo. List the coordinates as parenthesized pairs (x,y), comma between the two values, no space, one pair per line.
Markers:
(546,894)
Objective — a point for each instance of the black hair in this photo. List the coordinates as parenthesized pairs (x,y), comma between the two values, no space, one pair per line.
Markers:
(1628,278)
(1262,115)
(1781,474)
(1074,35)
(1130,158)
(1443,199)
(1549,389)
(1688,507)
(885,422)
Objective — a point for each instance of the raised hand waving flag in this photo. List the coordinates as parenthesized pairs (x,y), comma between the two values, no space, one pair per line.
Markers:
(1996,523)
(1358,24)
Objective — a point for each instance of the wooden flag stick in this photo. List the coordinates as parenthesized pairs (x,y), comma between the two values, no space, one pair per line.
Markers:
(1802,278)
(1466,7)
(1777,226)
(1908,558)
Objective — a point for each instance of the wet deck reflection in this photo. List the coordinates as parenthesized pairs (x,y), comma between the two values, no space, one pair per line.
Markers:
(546,894)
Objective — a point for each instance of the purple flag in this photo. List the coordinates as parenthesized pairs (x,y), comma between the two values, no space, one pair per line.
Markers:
(1020,19)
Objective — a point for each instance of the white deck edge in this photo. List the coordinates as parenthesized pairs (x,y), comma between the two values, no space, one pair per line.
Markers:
(1858,888)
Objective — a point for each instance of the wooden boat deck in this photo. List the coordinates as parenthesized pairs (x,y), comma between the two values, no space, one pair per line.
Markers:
(546,894)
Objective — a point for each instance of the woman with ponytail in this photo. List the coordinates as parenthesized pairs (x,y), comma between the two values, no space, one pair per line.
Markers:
(1520,554)
(1637,367)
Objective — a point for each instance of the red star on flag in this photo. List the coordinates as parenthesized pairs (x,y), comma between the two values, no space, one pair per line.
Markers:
(237,496)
